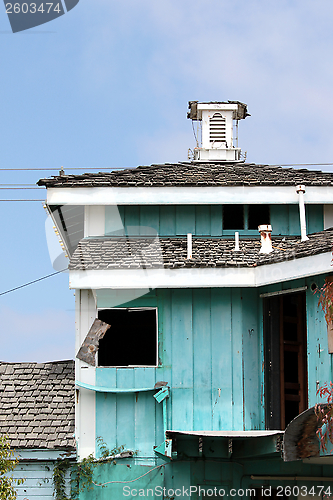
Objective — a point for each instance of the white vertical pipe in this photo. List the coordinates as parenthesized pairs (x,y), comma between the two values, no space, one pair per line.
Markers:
(300,191)
(236,249)
(189,245)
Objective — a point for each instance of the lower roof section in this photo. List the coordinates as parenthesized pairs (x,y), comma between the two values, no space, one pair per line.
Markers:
(207,277)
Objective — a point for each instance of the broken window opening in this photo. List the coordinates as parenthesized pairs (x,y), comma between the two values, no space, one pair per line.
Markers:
(131,339)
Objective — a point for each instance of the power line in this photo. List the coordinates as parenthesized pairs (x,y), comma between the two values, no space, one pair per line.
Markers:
(34,281)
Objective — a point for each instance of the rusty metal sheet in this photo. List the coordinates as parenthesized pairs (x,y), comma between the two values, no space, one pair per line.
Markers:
(90,345)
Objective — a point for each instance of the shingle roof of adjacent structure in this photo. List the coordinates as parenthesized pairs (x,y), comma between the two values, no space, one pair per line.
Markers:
(195,174)
(171,253)
(37,404)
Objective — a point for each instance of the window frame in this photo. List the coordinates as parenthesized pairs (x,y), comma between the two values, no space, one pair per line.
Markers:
(156,336)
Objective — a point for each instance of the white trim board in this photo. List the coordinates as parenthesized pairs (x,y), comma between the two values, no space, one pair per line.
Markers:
(187,195)
(202,277)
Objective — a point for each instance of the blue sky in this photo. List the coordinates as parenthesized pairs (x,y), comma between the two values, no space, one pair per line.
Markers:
(107,85)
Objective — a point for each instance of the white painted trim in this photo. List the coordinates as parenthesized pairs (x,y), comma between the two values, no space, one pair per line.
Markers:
(94,220)
(328,216)
(202,277)
(187,195)
(85,414)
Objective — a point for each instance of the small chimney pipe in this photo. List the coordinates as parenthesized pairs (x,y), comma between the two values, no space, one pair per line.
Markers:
(265,231)
(189,245)
(300,190)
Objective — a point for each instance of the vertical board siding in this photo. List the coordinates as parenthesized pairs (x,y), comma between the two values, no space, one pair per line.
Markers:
(319,361)
(221,333)
(205,220)
(236,362)
(251,360)
(182,360)
(202,355)
(206,356)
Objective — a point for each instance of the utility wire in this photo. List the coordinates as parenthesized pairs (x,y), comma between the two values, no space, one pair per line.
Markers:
(43,200)
(34,281)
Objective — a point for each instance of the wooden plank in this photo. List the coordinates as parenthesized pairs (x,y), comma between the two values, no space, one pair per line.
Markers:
(182,360)
(202,361)
(221,359)
(202,220)
(149,220)
(251,360)
(185,219)
(279,216)
(315,218)
(216,220)
(125,410)
(89,347)
(132,219)
(167,220)
(237,358)
(294,221)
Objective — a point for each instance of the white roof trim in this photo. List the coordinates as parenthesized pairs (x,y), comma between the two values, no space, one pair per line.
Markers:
(212,277)
(186,195)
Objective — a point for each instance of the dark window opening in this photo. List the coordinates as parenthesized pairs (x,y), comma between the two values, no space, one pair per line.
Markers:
(131,340)
(258,215)
(285,358)
(233,216)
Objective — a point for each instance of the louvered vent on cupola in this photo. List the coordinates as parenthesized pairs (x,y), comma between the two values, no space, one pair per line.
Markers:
(217,128)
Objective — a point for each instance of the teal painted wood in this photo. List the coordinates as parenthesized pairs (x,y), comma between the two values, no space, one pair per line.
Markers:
(168,220)
(251,360)
(185,219)
(221,358)
(216,220)
(236,361)
(315,218)
(202,356)
(126,484)
(261,373)
(319,360)
(206,220)
(132,219)
(202,220)
(149,218)
(279,215)
(182,360)
(294,221)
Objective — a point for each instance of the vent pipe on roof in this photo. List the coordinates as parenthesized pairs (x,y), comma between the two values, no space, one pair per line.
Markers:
(236,249)
(300,190)
(266,239)
(189,245)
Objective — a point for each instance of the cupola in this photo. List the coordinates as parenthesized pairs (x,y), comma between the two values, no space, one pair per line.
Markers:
(217,129)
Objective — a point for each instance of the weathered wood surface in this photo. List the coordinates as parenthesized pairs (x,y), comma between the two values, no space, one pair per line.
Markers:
(88,349)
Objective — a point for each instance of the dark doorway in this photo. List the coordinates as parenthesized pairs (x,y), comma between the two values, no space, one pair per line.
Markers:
(285,358)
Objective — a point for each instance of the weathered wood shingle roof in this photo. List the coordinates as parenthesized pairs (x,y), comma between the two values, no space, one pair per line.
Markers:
(103,253)
(37,404)
(195,174)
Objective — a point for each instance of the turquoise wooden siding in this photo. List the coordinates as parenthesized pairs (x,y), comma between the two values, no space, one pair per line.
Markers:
(211,355)
(209,350)
(206,220)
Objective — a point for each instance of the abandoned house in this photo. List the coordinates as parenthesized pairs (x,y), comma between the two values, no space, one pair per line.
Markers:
(198,332)
(37,414)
